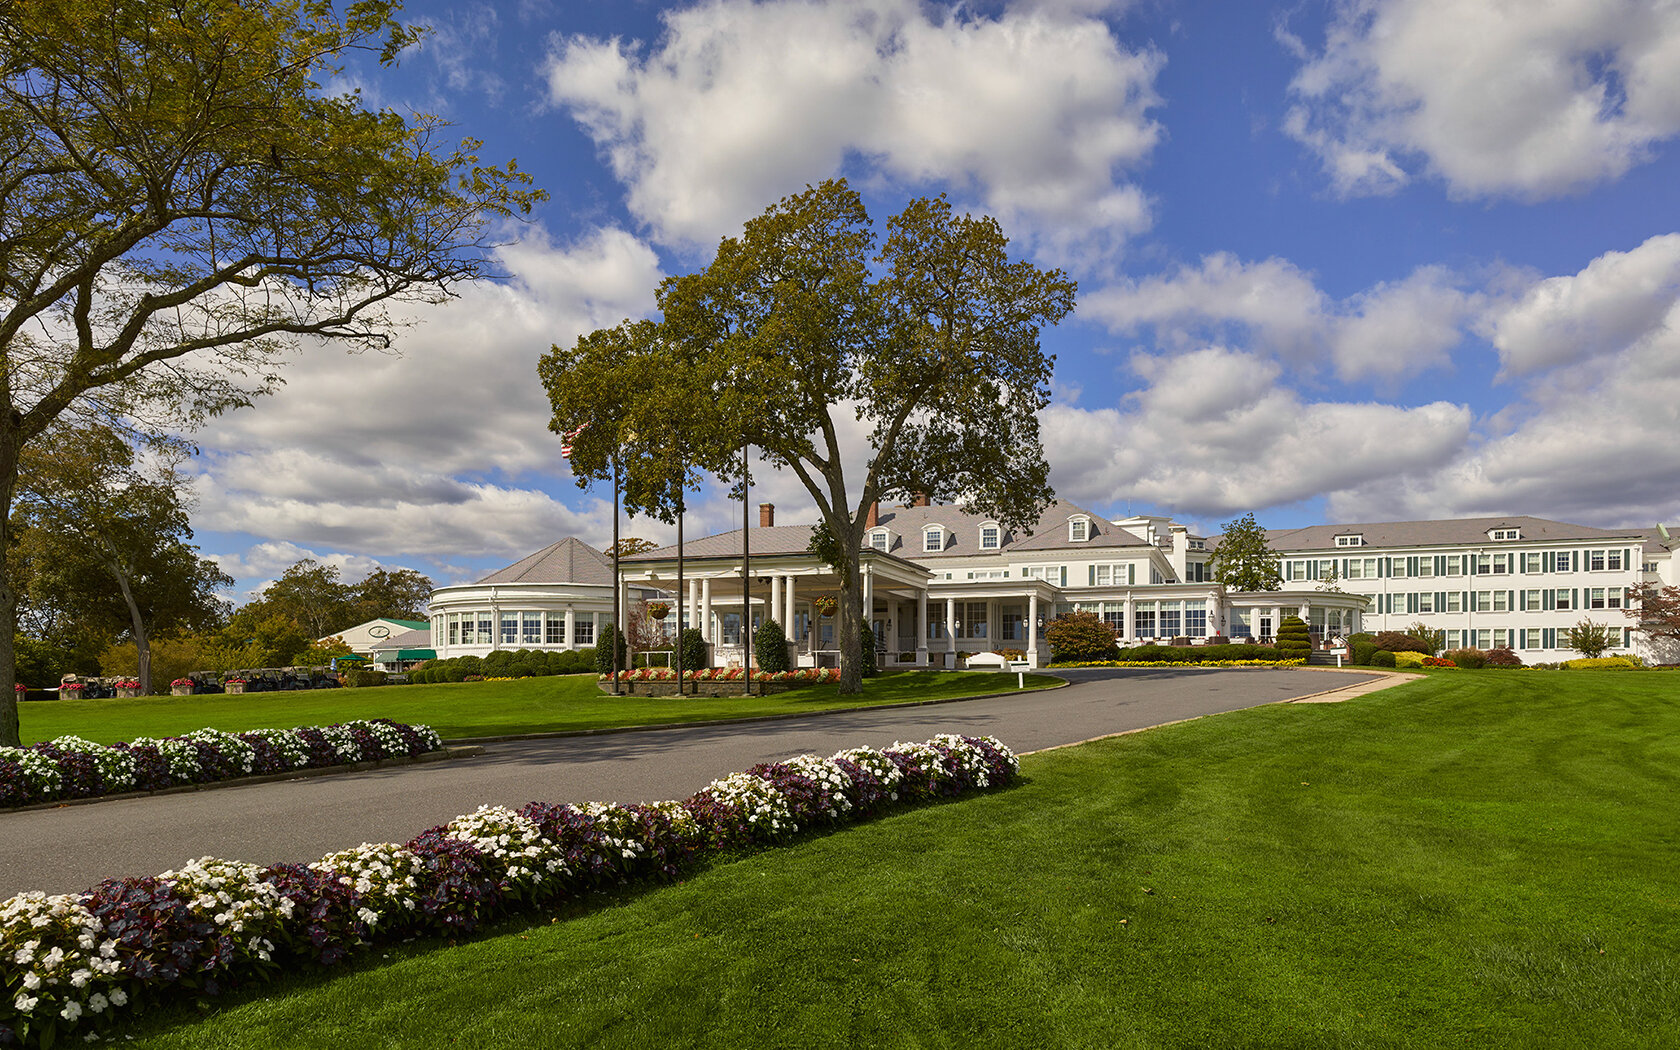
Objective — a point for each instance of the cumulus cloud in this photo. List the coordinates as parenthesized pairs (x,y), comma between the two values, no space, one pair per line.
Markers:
(1388,331)
(1617,300)
(1039,111)
(1213,431)
(421,452)
(1497,99)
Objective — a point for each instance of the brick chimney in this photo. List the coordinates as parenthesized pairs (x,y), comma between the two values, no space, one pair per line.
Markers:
(919,499)
(766,515)
(874,518)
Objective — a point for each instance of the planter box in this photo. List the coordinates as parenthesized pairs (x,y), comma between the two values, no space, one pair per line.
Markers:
(234,688)
(698,688)
(180,690)
(127,694)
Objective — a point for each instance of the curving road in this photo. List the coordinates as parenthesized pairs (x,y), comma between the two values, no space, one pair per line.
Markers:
(67,849)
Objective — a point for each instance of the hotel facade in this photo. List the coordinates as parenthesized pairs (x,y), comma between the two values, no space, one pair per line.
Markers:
(940,581)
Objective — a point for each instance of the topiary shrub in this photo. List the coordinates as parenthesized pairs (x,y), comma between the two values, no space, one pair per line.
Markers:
(696,654)
(1362,636)
(1472,659)
(1503,657)
(1382,658)
(496,664)
(770,647)
(566,662)
(586,658)
(1361,652)
(470,664)
(1294,639)
(611,638)
(1080,636)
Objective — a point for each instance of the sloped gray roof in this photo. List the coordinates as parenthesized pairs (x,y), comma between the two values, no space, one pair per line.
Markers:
(568,561)
(1654,542)
(1451,532)
(405,640)
(906,525)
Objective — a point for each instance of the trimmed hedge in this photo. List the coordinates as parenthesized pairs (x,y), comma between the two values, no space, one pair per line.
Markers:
(1382,658)
(1199,654)
(504,663)
(217,924)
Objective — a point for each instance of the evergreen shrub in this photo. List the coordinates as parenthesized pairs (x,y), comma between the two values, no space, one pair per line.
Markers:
(770,647)
(1382,658)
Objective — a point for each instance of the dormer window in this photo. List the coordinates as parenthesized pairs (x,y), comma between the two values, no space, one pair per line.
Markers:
(879,540)
(991,536)
(1352,539)
(1079,529)
(1504,534)
(933,539)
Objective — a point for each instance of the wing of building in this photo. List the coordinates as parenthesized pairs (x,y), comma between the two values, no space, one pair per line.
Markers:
(940,581)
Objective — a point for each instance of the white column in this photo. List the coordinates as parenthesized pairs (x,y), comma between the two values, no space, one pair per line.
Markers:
(706,609)
(693,604)
(775,612)
(1129,627)
(570,623)
(1032,629)
(868,595)
(790,609)
(921,626)
(951,627)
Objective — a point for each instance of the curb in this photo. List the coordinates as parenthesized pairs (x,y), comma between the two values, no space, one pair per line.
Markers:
(748,720)
(447,754)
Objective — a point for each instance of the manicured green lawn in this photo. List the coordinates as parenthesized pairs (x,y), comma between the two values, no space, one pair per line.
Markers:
(469,709)
(1466,861)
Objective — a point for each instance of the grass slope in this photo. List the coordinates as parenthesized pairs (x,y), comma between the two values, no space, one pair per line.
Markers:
(469,709)
(1464,861)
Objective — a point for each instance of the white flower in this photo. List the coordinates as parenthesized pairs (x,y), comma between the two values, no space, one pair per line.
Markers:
(119,997)
(71,1011)
(24,1004)
(31,980)
(97,1003)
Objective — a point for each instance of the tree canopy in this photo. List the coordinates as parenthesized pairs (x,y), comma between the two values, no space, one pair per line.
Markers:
(106,537)
(807,324)
(1244,561)
(179,196)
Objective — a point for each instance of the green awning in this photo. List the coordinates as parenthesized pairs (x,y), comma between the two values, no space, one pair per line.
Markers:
(413,654)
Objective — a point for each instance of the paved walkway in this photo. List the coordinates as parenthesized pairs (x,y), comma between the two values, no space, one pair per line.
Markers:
(67,849)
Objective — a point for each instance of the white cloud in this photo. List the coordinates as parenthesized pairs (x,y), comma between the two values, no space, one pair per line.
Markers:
(1528,100)
(1618,299)
(1213,432)
(389,453)
(1389,331)
(1040,110)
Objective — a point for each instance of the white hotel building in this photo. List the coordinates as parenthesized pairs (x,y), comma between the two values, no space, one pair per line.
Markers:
(939,581)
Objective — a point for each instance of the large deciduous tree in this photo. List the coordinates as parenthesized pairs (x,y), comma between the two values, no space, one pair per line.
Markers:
(1244,561)
(1656,609)
(108,537)
(807,324)
(179,196)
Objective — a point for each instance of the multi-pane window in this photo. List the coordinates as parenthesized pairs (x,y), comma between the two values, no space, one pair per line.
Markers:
(1595,561)
(510,628)
(1501,638)
(1011,624)
(583,629)
(1484,638)
(1426,602)
(1507,534)
(531,628)
(1483,601)
(1455,602)
(556,629)
(1144,615)
(1531,638)
(454,630)
(1561,599)
(1501,601)
(1114,614)
(989,537)
(1195,618)
(1078,530)
(1531,563)
(933,540)
(878,539)
(1104,575)
(1171,619)
(1426,566)
(973,619)
(1455,565)
(1349,541)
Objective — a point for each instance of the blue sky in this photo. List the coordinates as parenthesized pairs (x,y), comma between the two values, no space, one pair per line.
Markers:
(1345,261)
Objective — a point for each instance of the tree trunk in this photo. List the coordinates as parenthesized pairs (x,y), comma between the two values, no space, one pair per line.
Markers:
(851,616)
(11,443)
(142,644)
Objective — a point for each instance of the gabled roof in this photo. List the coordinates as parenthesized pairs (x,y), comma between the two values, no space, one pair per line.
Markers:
(1453,532)
(774,539)
(1049,533)
(568,561)
(405,640)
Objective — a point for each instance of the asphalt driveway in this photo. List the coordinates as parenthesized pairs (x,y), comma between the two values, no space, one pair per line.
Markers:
(70,848)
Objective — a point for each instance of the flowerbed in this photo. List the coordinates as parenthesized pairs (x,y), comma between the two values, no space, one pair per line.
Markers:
(70,767)
(1182,663)
(70,963)
(725,674)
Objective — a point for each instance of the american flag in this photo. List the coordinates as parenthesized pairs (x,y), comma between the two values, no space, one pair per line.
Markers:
(567,437)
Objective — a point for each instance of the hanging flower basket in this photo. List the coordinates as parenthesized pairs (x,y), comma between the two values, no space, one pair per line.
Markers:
(826,604)
(658,610)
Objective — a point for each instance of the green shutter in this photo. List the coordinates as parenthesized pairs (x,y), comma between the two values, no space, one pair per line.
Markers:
(1090,575)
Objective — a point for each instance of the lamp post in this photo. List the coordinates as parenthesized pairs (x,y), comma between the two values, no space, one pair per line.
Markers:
(746,578)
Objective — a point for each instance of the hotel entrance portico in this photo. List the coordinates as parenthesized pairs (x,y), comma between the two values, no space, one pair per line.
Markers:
(966,618)
(784,582)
